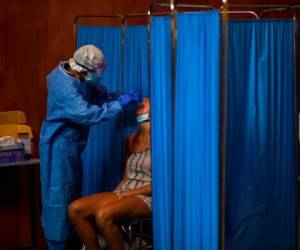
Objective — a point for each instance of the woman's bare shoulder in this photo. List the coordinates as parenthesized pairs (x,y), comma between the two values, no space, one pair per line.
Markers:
(128,142)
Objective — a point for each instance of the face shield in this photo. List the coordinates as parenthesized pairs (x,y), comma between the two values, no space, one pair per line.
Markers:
(88,60)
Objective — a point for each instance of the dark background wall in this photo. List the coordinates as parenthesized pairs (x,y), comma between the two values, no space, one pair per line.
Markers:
(34,37)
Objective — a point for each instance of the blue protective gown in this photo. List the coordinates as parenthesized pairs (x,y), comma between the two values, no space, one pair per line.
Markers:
(72,108)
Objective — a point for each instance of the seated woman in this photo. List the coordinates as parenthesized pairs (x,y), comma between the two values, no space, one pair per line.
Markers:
(130,199)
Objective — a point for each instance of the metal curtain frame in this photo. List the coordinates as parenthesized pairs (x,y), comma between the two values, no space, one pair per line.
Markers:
(265,7)
(198,7)
(225,10)
(223,120)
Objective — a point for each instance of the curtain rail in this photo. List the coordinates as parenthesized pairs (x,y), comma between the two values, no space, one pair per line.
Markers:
(240,12)
(259,6)
(279,9)
(269,8)
(157,5)
(252,13)
(177,6)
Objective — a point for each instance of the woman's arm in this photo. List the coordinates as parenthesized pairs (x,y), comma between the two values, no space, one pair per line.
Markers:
(145,190)
(126,156)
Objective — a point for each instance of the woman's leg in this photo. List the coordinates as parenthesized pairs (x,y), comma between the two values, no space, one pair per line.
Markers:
(125,208)
(81,213)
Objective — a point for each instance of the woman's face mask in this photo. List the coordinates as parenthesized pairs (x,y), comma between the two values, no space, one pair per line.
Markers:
(143,118)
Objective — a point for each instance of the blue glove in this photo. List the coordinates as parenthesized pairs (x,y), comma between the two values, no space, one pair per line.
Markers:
(128,98)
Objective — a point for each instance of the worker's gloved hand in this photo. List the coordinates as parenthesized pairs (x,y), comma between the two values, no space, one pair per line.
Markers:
(129,98)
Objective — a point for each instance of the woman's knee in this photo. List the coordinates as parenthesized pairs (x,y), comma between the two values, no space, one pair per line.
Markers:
(75,210)
(103,217)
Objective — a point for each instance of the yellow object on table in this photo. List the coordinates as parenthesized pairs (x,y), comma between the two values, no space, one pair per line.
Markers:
(12,123)
(16,130)
(12,117)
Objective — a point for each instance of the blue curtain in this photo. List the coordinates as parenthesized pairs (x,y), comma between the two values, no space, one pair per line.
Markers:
(135,66)
(261,139)
(196,157)
(103,163)
(102,157)
(185,154)
(161,132)
(136,59)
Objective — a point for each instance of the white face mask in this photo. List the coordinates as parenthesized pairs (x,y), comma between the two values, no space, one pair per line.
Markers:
(143,118)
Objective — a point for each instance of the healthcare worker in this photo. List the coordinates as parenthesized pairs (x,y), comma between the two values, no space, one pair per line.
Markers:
(76,100)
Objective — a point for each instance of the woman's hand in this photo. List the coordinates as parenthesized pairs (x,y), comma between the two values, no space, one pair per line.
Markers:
(145,190)
(122,195)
